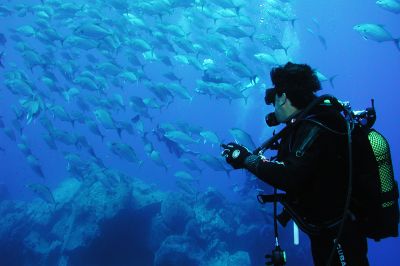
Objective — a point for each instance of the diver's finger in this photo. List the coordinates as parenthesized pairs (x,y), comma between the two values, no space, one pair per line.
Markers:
(225,152)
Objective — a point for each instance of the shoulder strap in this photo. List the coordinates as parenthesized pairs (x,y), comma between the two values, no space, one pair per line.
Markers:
(308,140)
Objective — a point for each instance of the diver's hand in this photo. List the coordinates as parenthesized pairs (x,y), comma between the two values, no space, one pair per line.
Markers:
(235,154)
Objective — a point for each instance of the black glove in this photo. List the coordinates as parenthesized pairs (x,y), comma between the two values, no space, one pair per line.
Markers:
(235,154)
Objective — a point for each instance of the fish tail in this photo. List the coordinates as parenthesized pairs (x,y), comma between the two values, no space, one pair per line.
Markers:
(145,134)
(292,22)
(119,132)
(140,163)
(245,99)
(286,49)
(237,9)
(251,36)
(397,43)
(331,80)
(55,205)
(228,172)
(41,174)
(1,56)
(253,79)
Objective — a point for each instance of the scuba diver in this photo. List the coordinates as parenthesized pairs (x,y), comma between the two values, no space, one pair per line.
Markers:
(313,166)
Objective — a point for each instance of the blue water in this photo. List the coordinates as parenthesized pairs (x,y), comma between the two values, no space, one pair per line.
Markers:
(365,69)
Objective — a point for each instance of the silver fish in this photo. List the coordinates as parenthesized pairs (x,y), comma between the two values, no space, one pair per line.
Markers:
(35,165)
(243,138)
(104,117)
(43,192)
(124,151)
(210,137)
(214,163)
(376,33)
(190,164)
(155,156)
(390,5)
(180,137)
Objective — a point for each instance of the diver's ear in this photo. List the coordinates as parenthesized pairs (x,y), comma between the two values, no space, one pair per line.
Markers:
(281,100)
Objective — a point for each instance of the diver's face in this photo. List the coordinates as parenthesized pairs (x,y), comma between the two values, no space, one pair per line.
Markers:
(279,104)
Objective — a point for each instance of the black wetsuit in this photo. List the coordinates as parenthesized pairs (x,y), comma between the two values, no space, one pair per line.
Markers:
(315,181)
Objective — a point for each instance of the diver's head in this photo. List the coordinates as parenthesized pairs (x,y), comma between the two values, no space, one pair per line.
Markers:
(294,88)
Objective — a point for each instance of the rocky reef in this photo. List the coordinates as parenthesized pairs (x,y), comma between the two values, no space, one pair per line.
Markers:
(130,222)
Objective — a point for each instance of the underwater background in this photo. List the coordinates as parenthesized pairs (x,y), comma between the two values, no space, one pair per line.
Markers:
(112,112)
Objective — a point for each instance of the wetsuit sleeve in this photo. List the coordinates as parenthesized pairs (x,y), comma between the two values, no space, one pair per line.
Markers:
(293,172)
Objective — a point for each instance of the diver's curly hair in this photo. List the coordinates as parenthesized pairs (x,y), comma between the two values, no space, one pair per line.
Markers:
(298,81)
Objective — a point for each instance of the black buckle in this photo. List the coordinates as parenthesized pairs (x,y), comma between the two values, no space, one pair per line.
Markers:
(270,198)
